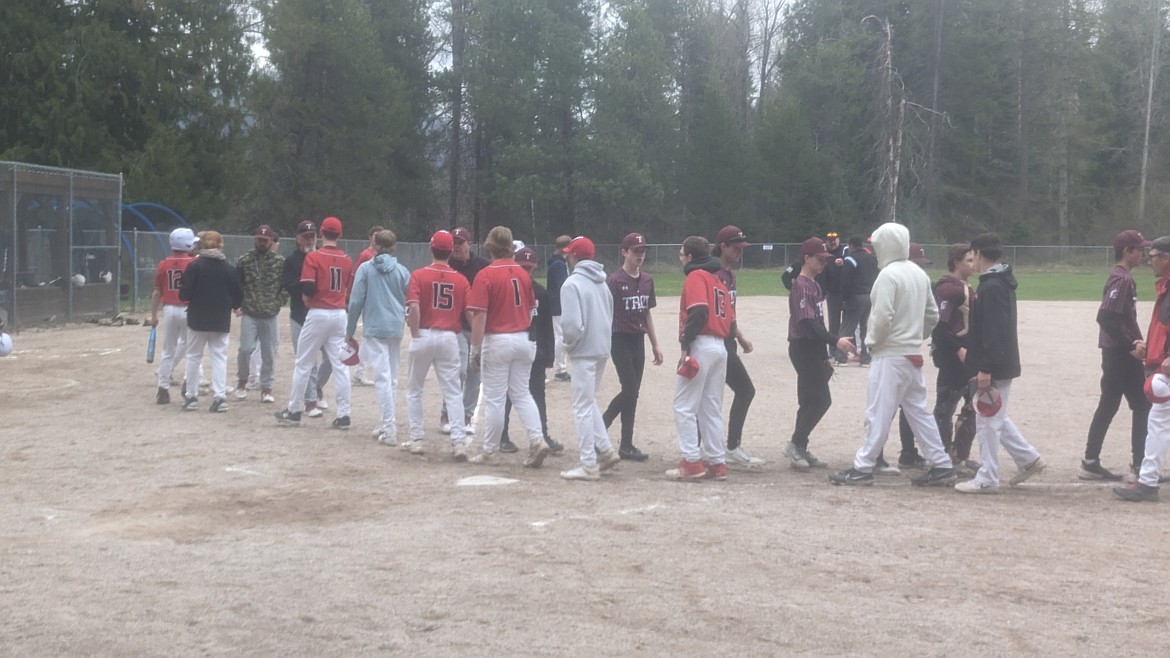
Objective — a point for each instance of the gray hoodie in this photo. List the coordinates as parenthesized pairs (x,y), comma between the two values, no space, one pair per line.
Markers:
(904,311)
(586,311)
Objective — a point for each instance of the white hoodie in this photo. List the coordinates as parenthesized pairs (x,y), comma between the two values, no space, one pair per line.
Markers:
(587,311)
(904,312)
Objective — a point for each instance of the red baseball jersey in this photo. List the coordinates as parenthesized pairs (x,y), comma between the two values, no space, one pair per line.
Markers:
(441,295)
(169,277)
(701,288)
(504,291)
(367,254)
(332,270)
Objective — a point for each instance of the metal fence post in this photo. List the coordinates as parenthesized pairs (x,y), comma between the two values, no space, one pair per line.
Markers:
(134,261)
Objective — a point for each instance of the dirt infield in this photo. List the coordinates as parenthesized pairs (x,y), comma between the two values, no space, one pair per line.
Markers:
(133,529)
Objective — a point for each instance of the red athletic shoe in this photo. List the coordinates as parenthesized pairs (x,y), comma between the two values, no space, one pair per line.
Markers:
(717,471)
(687,471)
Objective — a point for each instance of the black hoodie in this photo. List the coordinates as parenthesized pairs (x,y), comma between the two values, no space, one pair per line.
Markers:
(993,346)
(697,316)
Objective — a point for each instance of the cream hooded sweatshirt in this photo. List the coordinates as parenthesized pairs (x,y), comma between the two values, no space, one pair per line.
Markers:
(903,312)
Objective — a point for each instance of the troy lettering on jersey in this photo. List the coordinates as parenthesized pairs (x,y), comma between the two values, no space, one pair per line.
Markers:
(636,303)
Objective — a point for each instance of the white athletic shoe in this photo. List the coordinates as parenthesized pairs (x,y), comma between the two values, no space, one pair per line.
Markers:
(322,404)
(241,393)
(459,453)
(252,385)
(483,458)
(581,473)
(469,429)
(414,447)
(387,439)
(314,412)
(740,457)
(267,398)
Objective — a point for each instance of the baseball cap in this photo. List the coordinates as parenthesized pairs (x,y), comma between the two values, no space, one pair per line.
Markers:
(306,227)
(918,254)
(831,235)
(580,246)
(461,234)
(634,241)
(526,257)
(265,231)
(814,247)
(988,403)
(183,239)
(442,240)
(331,225)
(1130,239)
(731,236)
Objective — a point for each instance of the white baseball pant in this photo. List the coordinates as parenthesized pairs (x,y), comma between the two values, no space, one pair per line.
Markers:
(698,403)
(173,326)
(507,363)
(560,355)
(896,382)
(365,367)
(385,356)
(323,328)
(217,347)
(997,429)
(440,349)
(586,376)
(1157,440)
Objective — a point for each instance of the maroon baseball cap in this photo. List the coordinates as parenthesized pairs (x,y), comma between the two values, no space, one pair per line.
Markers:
(331,225)
(526,257)
(918,254)
(1130,239)
(815,247)
(442,240)
(635,241)
(731,236)
(461,234)
(265,231)
(581,247)
(306,227)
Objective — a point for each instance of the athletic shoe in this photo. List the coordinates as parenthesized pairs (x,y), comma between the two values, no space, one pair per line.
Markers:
(970,465)
(935,477)
(582,473)
(562,377)
(266,396)
(716,471)
(468,427)
(975,487)
(218,406)
(387,439)
(687,471)
(796,456)
(554,447)
(1136,492)
(852,478)
(203,383)
(252,385)
(813,462)
(445,427)
(190,404)
(915,462)
(536,454)
(1028,471)
(507,447)
(483,458)
(321,403)
(740,457)
(414,447)
(163,396)
(341,423)
(459,453)
(882,467)
(608,460)
(312,410)
(241,393)
(630,453)
(359,380)
(1093,470)
(286,417)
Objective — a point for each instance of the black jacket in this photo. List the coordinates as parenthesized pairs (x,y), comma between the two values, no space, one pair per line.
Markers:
(291,276)
(211,290)
(558,272)
(541,329)
(858,273)
(993,345)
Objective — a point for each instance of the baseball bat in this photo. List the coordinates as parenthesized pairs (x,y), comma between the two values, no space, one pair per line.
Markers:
(150,346)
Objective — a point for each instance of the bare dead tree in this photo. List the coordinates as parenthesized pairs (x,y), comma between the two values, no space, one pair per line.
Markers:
(1151,81)
(766,23)
(890,122)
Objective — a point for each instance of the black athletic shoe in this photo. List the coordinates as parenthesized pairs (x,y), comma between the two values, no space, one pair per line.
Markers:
(286,417)
(340,423)
(562,376)
(218,406)
(630,453)
(190,404)
(935,477)
(852,477)
(1136,492)
(916,461)
(507,447)
(554,447)
(163,396)
(1093,470)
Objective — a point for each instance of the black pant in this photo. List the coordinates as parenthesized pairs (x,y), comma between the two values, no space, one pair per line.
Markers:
(812,386)
(1121,375)
(628,353)
(536,388)
(741,384)
(833,303)
(856,316)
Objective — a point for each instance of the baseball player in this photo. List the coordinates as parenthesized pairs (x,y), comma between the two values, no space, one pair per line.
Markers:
(1149,475)
(501,303)
(808,343)
(291,275)
(729,244)
(212,292)
(705,319)
(363,375)
(379,297)
(555,275)
(1122,354)
(326,278)
(586,324)
(993,356)
(948,350)
(436,298)
(633,297)
(259,271)
(469,265)
(167,280)
(902,316)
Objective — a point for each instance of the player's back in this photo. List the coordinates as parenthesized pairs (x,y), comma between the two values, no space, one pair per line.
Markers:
(441,295)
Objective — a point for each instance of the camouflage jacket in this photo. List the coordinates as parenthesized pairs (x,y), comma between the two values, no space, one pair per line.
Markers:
(260,277)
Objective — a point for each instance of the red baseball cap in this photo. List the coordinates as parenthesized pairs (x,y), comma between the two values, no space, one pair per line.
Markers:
(306,227)
(581,247)
(635,241)
(331,225)
(461,234)
(1130,239)
(443,241)
(815,247)
(918,254)
(731,236)
(265,231)
(526,257)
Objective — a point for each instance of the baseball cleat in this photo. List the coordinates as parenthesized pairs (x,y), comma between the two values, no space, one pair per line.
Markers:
(163,396)
(582,473)
(882,467)
(286,417)
(935,477)
(340,423)
(536,454)
(632,454)
(218,406)
(716,472)
(507,447)
(608,460)
(740,457)
(1093,470)
(554,447)
(975,487)
(687,471)
(1136,492)
(459,453)
(1028,471)
(190,404)
(852,477)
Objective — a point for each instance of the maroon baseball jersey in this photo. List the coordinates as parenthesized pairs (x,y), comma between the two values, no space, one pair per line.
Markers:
(332,271)
(169,276)
(1120,297)
(804,301)
(728,278)
(954,296)
(633,297)
(441,295)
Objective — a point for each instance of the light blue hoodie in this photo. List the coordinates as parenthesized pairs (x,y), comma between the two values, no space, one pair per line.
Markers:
(379,293)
